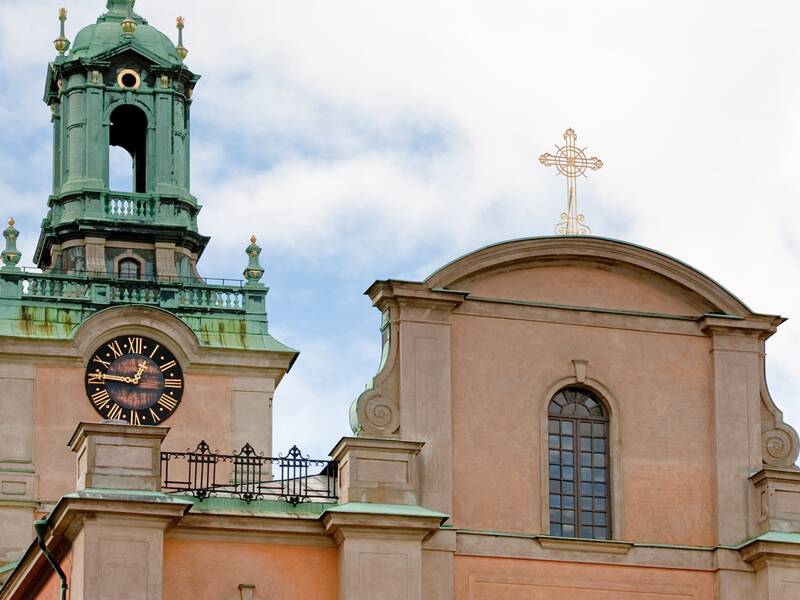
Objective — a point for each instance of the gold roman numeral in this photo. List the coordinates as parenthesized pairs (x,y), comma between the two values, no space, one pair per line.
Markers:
(153,353)
(135,345)
(115,349)
(97,359)
(96,378)
(156,418)
(167,402)
(115,412)
(168,365)
(135,418)
(173,383)
(101,399)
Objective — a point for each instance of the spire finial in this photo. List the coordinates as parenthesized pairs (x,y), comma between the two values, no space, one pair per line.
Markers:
(11,255)
(254,270)
(128,24)
(61,42)
(181,49)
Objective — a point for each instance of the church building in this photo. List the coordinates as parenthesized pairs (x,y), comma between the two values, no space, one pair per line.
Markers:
(559,417)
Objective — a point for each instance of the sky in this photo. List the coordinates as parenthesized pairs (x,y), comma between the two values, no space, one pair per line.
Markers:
(364,140)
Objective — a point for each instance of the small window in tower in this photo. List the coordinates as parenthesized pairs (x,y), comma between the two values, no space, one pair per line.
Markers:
(129,268)
(129,79)
(129,133)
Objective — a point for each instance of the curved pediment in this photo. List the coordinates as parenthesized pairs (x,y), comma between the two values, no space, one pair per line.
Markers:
(587,271)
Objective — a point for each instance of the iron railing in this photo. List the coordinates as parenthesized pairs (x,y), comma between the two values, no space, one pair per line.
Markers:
(248,475)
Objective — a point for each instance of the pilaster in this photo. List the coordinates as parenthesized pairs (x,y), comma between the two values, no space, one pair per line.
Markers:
(165,259)
(96,254)
(736,358)
(251,413)
(380,549)
(17,471)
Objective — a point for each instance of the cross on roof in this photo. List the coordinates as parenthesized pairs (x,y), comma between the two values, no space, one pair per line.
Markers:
(571,162)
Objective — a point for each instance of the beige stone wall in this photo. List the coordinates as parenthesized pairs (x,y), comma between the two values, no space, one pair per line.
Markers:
(479,578)
(195,569)
(597,285)
(504,373)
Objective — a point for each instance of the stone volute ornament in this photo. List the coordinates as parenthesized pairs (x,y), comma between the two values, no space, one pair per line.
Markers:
(376,412)
(254,270)
(61,42)
(11,256)
(780,442)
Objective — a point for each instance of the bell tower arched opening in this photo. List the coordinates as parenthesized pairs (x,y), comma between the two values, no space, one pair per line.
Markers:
(129,132)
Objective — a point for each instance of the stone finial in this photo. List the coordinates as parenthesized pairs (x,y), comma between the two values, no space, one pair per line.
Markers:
(11,255)
(254,270)
(180,48)
(61,42)
(128,24)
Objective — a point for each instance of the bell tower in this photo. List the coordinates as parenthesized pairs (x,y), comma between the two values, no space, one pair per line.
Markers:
(122,83)
(114,322)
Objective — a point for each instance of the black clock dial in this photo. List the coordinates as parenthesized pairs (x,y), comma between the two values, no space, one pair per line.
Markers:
(134,379)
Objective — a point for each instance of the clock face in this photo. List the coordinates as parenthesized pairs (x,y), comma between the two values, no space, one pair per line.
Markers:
(134,379)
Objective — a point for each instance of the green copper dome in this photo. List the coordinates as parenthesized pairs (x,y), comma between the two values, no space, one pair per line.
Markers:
(107,34)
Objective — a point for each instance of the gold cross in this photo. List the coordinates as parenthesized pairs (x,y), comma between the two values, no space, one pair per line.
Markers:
(571,162)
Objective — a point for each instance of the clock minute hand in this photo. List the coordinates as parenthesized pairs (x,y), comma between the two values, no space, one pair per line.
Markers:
(117,378)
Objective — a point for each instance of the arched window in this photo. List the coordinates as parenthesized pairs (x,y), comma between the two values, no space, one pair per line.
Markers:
(578,462)
(129,132)
(129,268)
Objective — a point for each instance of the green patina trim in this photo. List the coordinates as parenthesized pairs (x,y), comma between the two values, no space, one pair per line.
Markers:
(9,567)
(56,320)
(400,510)
(355,424)
(783,537)
(130,495)
(257,507)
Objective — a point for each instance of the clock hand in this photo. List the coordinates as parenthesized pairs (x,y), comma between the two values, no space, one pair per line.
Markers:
(138,377)
(116,378)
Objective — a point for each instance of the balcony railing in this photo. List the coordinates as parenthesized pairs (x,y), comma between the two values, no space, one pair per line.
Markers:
(130,206)
(248,475)
(171,293)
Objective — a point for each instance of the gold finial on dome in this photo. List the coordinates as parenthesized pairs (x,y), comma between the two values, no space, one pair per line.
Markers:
(180,48)
(11,221)
(128,24)
(61,42)
(252,239)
